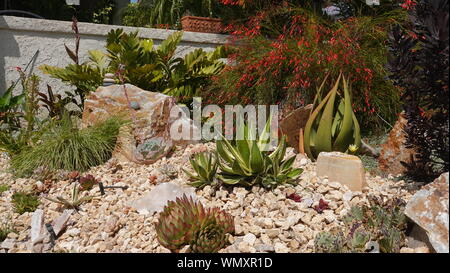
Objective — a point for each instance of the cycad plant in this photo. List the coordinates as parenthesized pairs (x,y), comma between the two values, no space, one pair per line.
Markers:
(245,161)
(332,125)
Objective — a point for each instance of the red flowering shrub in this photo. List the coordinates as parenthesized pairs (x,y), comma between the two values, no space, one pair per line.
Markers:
(288,69)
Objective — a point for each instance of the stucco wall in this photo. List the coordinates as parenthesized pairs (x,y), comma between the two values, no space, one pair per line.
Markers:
(21,37)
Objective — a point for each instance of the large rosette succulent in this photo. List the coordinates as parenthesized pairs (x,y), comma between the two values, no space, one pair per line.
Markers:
(184,221)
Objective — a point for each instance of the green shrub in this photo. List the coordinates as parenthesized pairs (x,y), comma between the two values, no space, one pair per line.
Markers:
(24,202)
(156,69)
(64,146)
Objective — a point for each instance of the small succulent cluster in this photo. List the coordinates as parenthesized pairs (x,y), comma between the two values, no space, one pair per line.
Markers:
(378,227)
(186,222)
(205,165)
(87,182)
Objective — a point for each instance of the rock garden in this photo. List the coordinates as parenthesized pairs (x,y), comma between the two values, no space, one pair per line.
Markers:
(350,153)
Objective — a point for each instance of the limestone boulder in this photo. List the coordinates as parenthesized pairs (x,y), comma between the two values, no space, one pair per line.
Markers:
(343,168)
(428,208)
(292,124)
(394,151)
(147,138)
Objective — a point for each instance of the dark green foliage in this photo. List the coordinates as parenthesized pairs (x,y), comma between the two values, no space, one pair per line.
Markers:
(382,223)
(24,202)
(63,146)
(205,165)
(419,62)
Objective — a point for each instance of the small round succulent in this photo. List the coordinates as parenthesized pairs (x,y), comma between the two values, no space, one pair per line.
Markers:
(185,221)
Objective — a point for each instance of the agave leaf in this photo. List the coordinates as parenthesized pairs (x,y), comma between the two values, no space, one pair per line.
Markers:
(309,124)
(287,164)
(343,140)
(357,131)
(294,173)
(323,137)
(256,159)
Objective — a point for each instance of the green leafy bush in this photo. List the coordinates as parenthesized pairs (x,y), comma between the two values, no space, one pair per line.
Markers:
(24,202)
(156,69)
(63,146)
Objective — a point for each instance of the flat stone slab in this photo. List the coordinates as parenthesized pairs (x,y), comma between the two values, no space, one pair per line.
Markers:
(157,199)
(343,168)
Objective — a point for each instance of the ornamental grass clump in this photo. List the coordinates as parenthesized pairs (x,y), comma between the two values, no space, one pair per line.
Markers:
(63,146)
(186,222)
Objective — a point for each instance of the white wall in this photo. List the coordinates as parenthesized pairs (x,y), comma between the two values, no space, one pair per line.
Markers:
(21,37)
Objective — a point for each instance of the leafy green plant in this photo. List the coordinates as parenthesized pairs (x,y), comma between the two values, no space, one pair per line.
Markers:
(205,166)
(18,122)
(244,161)
(381,223)
(151,68)
(56,105)
(75,199)
(185,222)
(24,202)
(72,148)
(329,129)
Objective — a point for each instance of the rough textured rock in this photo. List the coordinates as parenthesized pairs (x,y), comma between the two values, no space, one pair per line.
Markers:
(155,200)
(147,138)
(394,151)
(292,124)
(429,209)
(343,168)
(59,224)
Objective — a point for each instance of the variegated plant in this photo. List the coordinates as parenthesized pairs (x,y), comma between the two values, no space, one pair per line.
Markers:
(245,161)
(205,165)
(332,125)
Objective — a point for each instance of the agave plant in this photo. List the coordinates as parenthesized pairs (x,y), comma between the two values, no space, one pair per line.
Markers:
(331,128)
(246,163)
(184,222)
(205,165)
(75,200)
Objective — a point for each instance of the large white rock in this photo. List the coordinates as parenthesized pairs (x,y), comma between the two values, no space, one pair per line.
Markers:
(343,168)
(428,208)
(155,200)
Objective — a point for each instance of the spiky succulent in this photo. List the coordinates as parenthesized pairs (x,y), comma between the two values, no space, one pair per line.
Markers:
(87,182)
(245,161)
(75,200)
(185,221)
(382,224)
(205,166)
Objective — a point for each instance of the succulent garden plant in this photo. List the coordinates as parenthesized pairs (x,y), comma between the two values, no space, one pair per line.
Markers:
(381,224)
(75,200)
(246,163)
(87,182)
(186,222)
(205,166)
(331,128)
(24,202)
